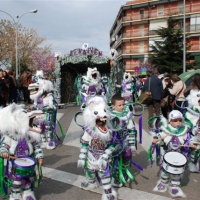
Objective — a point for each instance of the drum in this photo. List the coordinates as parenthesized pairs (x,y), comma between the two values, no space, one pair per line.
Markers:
(174,162)
(24,167)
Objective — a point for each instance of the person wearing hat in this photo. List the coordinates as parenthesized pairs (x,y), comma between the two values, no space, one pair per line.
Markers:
(173,138)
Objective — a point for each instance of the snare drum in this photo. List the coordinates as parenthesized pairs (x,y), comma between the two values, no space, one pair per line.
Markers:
(24,168)
(174,162)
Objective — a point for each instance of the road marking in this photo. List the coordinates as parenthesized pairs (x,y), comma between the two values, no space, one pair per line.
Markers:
(75,180)
(74,133)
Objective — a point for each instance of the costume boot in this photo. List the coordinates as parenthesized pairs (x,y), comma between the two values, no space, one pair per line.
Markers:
(44,143)
(15,194)
(109,193)
(174,187)
(50,143)
(28,194)
(90,182)
(192,165)
(162,184)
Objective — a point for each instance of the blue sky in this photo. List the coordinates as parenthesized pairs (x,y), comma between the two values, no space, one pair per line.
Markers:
(67,24)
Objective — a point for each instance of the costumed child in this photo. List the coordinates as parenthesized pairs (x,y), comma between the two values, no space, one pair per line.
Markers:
(124,139)
(41,92)
(173,137)
(128,88)
(20,145)
(96,151)
(192,118)
(116,73)
(92,84)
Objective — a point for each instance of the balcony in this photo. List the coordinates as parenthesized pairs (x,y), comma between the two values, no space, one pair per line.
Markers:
(133,51)
(164,13)
(195,47)
(136,33)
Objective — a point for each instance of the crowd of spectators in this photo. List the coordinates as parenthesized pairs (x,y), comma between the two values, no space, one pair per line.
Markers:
(12,90)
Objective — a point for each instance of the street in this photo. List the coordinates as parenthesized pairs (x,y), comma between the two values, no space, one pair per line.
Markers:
(62,178)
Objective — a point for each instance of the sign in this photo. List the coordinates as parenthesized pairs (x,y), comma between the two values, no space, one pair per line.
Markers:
(143,70)
(136,69)
(90,50)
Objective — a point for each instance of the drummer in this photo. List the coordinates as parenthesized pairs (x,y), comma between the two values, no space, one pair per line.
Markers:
(173,137)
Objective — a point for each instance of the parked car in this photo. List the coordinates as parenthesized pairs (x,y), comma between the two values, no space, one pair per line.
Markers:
(187,76)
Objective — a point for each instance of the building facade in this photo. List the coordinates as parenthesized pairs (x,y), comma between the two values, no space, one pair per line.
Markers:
(134,28)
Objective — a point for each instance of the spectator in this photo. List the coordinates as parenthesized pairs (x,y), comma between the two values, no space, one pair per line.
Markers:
(195,84)
(6,88)
(2,89)
(12,88)
(156,89)
(177,91)
(166,85)
(25,78)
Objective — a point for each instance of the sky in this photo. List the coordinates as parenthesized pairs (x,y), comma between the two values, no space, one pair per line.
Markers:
(67,24)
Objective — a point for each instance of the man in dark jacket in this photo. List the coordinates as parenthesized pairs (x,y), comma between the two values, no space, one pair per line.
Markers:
(25,79)
(156,88)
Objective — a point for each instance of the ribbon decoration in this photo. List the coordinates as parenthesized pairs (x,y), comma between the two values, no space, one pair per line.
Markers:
(86,169)
(120,170)
(40,175)
(75,117)
(137,166)
(3,189)
(140,128)
(151,150)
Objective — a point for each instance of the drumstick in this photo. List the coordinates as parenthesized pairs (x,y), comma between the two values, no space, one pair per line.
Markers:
(13,157)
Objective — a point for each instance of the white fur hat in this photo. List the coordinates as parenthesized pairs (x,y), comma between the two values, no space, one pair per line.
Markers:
(175,114)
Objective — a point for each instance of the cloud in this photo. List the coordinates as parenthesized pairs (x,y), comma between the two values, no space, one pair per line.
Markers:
(67,24)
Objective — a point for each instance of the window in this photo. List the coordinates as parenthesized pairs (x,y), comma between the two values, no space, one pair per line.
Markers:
(141,13)
(160,10)
(141,30)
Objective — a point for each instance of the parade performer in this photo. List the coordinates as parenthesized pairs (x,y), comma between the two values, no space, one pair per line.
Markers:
(124,139)
(96,149)
(20,145)
(105,81)
(116,73)
(92,84)
(41,92)
(192,118)
(174,138)
(128,88)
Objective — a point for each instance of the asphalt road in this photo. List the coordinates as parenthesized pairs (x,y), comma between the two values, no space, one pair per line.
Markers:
(62,177)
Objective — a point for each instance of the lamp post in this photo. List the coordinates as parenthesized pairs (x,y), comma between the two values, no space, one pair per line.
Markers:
(22,47)
(184,56)
(15,26)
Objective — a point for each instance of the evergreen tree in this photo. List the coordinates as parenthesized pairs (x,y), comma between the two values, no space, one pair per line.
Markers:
(167,54)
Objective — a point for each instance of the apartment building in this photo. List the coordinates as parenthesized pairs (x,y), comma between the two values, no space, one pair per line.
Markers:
(134,28)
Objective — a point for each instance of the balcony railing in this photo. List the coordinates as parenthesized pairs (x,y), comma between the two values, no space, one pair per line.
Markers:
(195,47)
(164,13)
(136,33)
(133,51)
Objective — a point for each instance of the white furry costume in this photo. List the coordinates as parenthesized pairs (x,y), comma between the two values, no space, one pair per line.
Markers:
(128,89)
(41,92)
(95,151)
(20,140)
(172,140)
(92,84)
(116,73)
(192,118)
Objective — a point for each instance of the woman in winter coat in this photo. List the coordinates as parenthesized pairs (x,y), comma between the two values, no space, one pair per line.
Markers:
(177,92)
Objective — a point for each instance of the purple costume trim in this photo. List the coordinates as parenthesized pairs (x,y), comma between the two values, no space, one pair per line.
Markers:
(22,148)
(140,128)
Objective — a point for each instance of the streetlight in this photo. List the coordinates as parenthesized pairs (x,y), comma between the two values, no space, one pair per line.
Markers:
(23,47)
(15,26)
(184,68)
